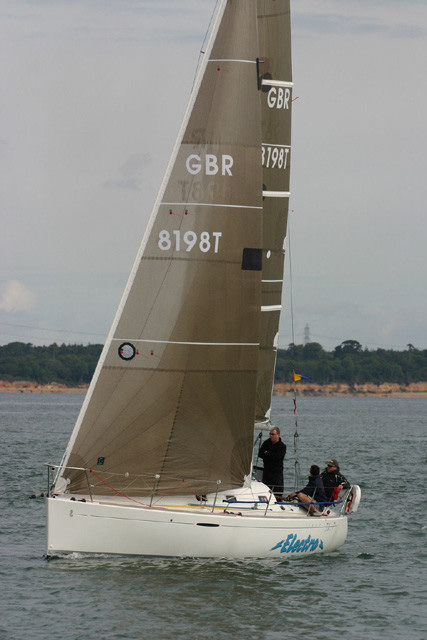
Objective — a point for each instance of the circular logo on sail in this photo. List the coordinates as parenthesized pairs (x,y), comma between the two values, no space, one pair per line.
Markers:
(127,351)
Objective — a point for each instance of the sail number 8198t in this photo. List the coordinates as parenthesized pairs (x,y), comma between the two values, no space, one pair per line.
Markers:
(187,241)
(275,156)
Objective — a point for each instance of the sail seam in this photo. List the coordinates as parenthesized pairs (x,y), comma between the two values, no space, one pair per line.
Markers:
(211,261)
(209,344)
(172,427)
(210,204)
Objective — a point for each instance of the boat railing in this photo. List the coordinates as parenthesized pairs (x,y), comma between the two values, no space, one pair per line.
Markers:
(150,488)
(282,503)
(122,484)
(146,486)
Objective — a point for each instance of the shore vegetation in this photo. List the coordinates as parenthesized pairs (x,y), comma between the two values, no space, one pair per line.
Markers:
(349,363)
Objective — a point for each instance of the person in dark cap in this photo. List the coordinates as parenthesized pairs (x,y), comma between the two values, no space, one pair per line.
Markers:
(312,492)
(333,480)
(272,452)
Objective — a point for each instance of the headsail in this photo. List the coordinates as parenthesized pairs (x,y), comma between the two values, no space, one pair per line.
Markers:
(174,392)
(275,77)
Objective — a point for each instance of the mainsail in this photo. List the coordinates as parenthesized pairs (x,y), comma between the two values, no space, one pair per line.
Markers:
(189,359)
(275,71)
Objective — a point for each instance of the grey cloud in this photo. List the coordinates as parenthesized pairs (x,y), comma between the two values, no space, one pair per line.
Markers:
(131,173)
(337,24)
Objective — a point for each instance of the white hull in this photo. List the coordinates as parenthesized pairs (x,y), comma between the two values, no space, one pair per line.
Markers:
(99,527)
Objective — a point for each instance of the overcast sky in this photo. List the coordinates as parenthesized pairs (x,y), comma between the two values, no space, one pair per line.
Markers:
(92,96)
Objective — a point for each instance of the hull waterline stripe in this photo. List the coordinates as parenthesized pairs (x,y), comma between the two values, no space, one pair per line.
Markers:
(276,83)
(209,204)
(205,344)
(276,194)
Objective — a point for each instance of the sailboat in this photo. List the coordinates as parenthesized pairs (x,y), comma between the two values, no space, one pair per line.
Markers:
(160,460)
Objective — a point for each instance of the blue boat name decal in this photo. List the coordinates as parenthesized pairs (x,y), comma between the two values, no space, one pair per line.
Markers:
(293,544)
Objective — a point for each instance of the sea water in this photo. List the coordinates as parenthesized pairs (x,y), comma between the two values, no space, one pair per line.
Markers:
(373,587)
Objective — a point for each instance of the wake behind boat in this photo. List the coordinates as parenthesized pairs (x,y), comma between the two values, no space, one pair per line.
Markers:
(160,459)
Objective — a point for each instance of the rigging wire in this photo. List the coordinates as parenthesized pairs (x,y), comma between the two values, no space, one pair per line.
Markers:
(296,434)
(202,50)
(27,326)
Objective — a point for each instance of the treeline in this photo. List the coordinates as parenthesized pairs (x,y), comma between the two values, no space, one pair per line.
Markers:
(66,364)
(348,362)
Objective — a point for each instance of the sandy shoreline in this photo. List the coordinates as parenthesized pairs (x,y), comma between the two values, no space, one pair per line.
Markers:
(34,387)
(386,389)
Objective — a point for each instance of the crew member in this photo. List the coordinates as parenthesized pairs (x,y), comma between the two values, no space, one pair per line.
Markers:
(333,479)
(312,492)
(273,452)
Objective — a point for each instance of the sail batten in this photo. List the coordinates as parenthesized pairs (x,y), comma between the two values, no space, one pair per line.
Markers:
(276,194)
(271,307)
(231,60)
(276,83)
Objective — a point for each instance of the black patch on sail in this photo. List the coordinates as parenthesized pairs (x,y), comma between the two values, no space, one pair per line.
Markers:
(266,76)
(252,260)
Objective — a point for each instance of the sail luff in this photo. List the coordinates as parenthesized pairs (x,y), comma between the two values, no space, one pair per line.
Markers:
(196,85)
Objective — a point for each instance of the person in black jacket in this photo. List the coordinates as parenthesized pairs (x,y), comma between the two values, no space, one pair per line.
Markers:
(333,478)
(312,492)
(273,452)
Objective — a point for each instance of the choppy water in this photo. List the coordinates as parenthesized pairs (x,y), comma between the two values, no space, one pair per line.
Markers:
(374,587)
